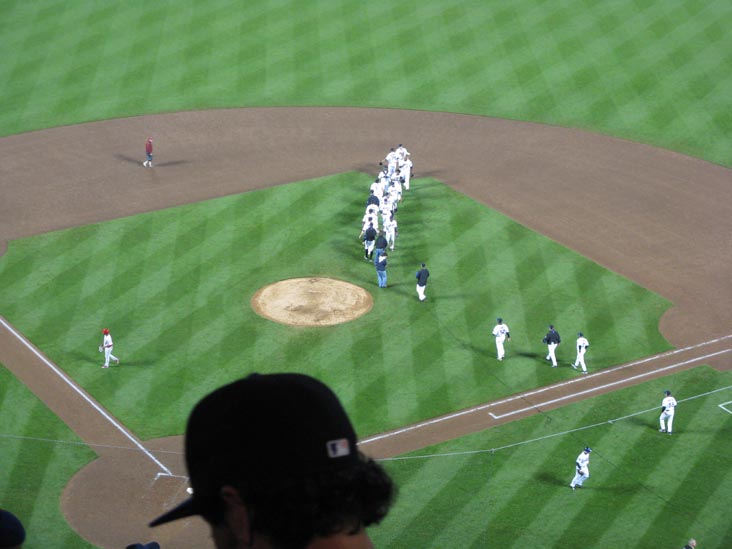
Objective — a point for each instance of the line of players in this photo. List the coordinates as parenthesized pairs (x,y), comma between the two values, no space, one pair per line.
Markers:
(384,199)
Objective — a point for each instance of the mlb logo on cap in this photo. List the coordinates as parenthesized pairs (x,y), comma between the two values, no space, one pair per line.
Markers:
(338,448)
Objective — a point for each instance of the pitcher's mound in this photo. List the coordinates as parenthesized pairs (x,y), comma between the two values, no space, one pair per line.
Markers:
(312,302)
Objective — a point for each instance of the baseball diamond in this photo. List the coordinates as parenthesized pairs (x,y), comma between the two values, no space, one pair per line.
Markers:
(184,182)
(81,494)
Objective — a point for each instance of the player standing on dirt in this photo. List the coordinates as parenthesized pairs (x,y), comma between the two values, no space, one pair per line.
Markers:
(148,152)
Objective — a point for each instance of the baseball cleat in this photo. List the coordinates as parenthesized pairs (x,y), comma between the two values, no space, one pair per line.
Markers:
(105,366)
(662,430)
(574,367)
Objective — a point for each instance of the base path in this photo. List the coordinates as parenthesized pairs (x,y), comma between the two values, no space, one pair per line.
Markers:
(659,218)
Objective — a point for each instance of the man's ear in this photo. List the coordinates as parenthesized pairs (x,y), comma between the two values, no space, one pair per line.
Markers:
(236,515)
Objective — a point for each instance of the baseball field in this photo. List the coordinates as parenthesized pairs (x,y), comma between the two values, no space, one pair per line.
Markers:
(570,168)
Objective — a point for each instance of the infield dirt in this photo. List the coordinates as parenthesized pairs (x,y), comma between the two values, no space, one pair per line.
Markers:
(656,217)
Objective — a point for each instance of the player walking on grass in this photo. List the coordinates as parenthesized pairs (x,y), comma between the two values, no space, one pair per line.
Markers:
(552,341)
(583,469)
(108,346)
(667,412)
(500,331)
(582,345)
(422,275)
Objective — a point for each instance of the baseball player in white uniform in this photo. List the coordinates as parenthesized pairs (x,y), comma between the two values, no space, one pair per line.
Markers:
(390,230)
(377,188)
(500,331)
(667,413)
(583,469)
(582,345)
(108,346)
(406,170)
(391,161)
(371,216)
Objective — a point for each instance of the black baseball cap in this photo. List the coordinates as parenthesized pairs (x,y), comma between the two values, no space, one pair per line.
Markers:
(284,426)
(12,533)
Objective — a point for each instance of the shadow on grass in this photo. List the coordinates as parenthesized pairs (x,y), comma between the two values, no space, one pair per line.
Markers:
(552,480)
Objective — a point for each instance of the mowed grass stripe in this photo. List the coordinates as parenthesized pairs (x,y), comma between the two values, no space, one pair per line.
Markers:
(174,286)
(583,64)
(618,495)
(39,455)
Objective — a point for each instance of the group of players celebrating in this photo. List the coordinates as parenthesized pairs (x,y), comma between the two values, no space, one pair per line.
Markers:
(383,201)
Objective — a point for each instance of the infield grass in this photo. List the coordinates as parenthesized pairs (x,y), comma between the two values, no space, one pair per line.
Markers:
(655,72)
(174,288)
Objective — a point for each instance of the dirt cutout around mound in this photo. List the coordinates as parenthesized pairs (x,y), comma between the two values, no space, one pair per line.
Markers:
(656,217)
(316,301)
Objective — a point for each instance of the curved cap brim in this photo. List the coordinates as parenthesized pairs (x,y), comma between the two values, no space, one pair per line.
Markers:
(186,509)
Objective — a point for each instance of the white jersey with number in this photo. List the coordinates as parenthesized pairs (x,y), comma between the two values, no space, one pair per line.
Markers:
(500,331)
(582,345)
(583,460)
(669,404)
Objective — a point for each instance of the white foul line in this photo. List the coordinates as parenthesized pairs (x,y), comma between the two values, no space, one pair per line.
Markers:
(83,395)
(449,417)
(601,387)
(539,439)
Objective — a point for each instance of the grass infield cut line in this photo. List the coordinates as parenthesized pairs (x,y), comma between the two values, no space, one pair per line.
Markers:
(84,396)
(606,385)
(562,433)
(423,424)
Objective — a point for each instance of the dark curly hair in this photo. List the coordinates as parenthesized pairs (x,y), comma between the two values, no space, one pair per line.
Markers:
(291,512)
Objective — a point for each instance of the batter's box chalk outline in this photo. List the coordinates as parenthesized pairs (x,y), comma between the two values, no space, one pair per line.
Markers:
(723,406)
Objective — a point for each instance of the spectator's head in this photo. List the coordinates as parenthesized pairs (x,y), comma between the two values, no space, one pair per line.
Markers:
(12,533)
(272,460)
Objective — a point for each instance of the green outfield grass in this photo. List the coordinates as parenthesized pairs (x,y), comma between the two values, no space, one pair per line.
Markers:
(652,71)
(39,454)
(174,288)
(508,486)
(174,285)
